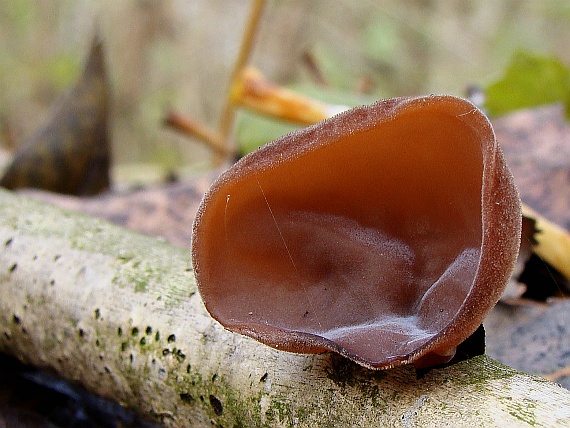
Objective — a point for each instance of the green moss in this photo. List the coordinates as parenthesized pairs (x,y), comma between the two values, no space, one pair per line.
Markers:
(478,371)
(94,236)
(524,411)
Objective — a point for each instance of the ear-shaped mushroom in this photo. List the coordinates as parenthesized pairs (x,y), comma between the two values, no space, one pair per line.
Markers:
(385,233)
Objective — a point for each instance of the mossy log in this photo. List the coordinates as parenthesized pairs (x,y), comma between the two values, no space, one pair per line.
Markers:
(119,313)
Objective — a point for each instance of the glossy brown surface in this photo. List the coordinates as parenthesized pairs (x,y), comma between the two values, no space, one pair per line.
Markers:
(385,234)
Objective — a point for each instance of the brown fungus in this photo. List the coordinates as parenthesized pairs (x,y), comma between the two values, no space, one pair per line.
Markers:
(385,233)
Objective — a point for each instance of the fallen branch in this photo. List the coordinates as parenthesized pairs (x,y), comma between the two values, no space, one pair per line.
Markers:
(118,312)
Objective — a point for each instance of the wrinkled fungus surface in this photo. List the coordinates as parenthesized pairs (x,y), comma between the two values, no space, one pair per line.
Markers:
(385,234)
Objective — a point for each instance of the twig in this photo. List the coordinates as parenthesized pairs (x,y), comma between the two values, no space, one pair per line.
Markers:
(251,28)
(253,91)
(553,242)
(191,127)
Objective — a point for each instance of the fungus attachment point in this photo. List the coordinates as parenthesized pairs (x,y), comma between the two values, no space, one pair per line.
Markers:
(385,233)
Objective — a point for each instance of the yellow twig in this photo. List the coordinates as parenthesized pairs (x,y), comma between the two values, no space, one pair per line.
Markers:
(251,28)
(553,242)
(253,91)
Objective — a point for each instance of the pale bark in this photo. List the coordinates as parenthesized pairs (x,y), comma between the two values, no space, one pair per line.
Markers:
(119,313)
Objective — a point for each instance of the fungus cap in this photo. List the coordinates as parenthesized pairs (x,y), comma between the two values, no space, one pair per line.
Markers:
(385,233)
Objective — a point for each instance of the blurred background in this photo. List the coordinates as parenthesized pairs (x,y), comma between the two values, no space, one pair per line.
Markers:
(178,54)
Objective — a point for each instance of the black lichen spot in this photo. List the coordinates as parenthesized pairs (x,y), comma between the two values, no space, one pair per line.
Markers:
(171,338)
(186,397)
(119,331)
(188,368)
(81,332)
(264,377)
(97,311)
(143,341)
(148,330)
(16,319)
(157,336)
(131,358)
(135,331)
(52,282)
(13,267)
(56,257)
(124,346)
(107,370)
(216,405)
(8,242)
(165,351)
(180,356)
(214,377)
(97,343)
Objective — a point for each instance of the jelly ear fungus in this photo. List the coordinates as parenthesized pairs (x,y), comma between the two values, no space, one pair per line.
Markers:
(385,233)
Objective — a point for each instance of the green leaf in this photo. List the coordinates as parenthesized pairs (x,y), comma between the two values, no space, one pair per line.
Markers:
(253,130)
(529,80)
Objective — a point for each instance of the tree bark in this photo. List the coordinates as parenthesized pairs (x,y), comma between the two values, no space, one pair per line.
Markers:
(119,313)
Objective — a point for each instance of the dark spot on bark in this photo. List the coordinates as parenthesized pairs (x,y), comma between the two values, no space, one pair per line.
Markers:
(81,332)
(97,343)
(188,368)
(124,346)
(56,257)
(119,331)
(157,336)
(135,331)
(148,330)
(216,405)
(16,319)
(143,341)
(165,351)
(180,356)
(264,377)
(8,242)
(214,377)
(171,338)
(186,397)
(97,311)
(13,267)
(107,370)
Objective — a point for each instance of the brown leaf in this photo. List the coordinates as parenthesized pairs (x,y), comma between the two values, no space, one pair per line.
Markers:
(70,153)
(536,143)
